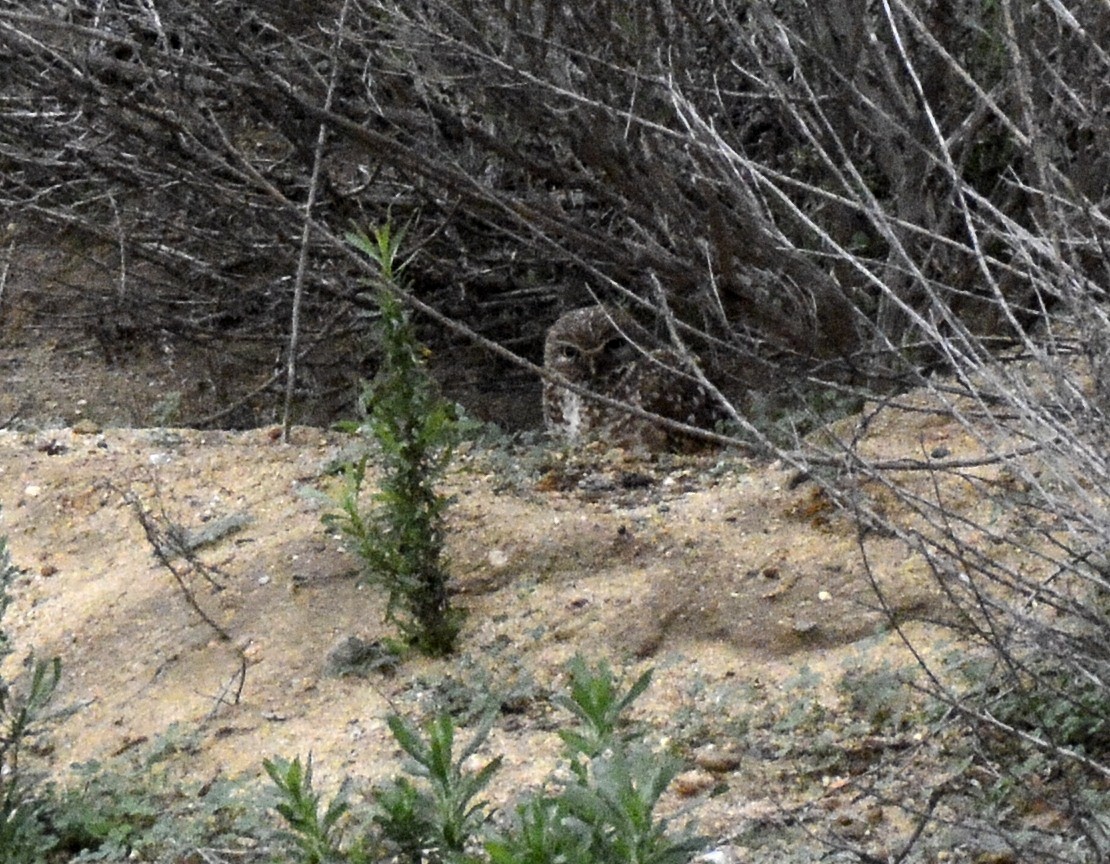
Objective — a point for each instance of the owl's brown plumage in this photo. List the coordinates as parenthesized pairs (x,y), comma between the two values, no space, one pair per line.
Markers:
(593,347)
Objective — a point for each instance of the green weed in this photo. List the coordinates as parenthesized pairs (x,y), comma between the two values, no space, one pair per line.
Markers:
(401,539)
(594,699)
(605,814)
(142,808)
(317,835)
(436,822)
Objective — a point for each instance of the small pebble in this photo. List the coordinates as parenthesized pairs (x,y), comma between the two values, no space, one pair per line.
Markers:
(716,760)
(694,782)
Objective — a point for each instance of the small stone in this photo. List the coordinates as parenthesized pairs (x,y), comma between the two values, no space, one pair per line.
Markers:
(497,558)
(694,782)
(351,655)
(87,426)
(716,760)
(596,484)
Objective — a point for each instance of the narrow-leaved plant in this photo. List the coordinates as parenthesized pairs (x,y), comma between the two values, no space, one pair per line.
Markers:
(400,540)
(317,835)
(595,700)
(436,820)
(604,814)
(607,813)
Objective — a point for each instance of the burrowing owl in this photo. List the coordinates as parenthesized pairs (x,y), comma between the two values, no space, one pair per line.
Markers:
(609,353)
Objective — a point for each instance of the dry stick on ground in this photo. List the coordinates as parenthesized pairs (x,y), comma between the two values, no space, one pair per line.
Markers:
(164,543)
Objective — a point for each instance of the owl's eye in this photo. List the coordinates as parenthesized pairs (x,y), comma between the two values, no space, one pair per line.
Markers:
(614,344)
(568,352)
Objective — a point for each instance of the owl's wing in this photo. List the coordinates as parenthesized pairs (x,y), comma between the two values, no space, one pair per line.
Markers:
(662,388)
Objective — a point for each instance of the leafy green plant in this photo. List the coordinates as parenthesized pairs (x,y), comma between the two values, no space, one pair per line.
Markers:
(317,835)
(1057,706)
(607,814)
(617,800)
(878,697)
(108,814)
(543,833)
(435,822)
(21,805)
(595,700)
(401,539)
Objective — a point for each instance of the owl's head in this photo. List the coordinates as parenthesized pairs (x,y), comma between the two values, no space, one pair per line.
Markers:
(588,344)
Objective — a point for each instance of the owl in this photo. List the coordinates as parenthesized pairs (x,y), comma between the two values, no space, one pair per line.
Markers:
(606,351)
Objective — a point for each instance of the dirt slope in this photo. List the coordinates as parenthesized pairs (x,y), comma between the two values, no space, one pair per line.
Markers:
(714,571)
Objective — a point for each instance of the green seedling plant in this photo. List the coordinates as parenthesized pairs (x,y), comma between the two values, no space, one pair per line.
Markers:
(400,540)
(437,820)
(21,836)
(607,813)
(544,832)
(596,702)
(432,820)
(606,817)
(317,835)
(603,814)
(616,800)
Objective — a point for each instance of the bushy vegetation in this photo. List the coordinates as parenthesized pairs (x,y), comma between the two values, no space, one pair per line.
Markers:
(145,806)
(400,538)
(604,813)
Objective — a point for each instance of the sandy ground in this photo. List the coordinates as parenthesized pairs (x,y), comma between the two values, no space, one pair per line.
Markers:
(713,571)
